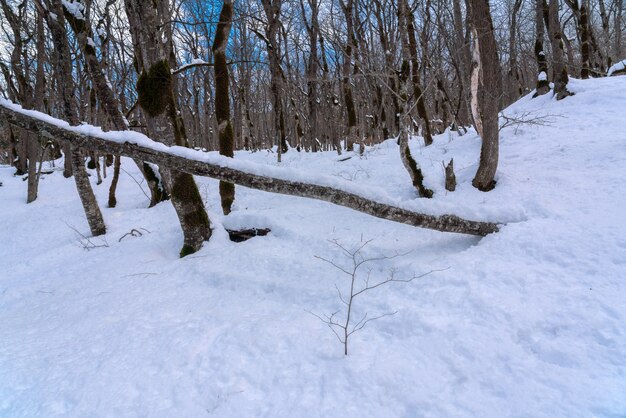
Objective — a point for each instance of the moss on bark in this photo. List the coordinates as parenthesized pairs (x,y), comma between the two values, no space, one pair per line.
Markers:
(186,190)
(186,250)
(418,177)
(154,88)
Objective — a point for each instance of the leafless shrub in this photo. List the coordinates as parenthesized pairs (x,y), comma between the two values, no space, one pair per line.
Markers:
(342,322)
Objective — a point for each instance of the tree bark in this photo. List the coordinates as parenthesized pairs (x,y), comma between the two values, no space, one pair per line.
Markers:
(108,100)
(116,176)
(272,12)
(514,88)
(20,143)
(70,114)
(543,86)
(348,9)
(418,96)
(222,99)
(486,92)
(559,69)
(407,101)
(311,71)
(166,157)
(33,141)
(464,62)
(450,177)
(149,26)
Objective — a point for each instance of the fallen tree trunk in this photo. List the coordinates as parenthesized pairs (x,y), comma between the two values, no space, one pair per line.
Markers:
(165,156)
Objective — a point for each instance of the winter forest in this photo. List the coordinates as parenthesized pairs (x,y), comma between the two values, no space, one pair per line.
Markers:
(312,208)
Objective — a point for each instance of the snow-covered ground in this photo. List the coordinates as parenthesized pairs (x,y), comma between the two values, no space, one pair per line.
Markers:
(528,322)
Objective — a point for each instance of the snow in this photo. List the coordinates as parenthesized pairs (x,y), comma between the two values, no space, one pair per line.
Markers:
(542,76)
(619,66)
(75,8)
(526,322)
(192,63)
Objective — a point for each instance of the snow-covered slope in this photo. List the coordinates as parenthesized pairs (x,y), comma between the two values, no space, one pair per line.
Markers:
(527,322)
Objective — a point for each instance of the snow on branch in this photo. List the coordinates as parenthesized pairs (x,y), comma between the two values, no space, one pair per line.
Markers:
(75,8)
(617,68)
(196,62)
(257,176)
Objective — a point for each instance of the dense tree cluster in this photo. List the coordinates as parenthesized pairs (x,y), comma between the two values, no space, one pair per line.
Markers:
(286,75)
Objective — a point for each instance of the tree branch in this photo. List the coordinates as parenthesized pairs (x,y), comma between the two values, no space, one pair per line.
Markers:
(190,161)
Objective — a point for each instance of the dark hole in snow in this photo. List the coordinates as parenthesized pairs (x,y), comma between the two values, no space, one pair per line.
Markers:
(245,234)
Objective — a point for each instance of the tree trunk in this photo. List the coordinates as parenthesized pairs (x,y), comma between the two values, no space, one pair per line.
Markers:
(66,86)
(407,101)
(20,143)
(513,84)
(108,100)
(464,62)
(418,96)
(348,9)
(222,99)
(149,25)
(486,92)
(584,42)
(559,69)
(33,141)
(618,29)
(116,176)
(311,72)
(166,157)
(543,86)
(272,11)
(450,177)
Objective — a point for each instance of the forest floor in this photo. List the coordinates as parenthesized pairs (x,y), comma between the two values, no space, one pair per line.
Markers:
(528,322)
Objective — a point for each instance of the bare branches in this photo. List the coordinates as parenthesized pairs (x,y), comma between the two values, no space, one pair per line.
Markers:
(344,327)
(136,182)
(526,118)
(87,243)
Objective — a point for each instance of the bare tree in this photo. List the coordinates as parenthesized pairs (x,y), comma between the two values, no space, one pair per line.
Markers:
(313,31)
(543,86)
(33,142)
(54,16)
(222,99)
(150,29)
(559,69)
(407,100)
(486,92)
(22,90)
(272,10)
(415,75)
(513,85)
(81,26)
(342,322)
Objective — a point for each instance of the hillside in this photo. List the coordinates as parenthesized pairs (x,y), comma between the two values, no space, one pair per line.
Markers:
(526,322)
